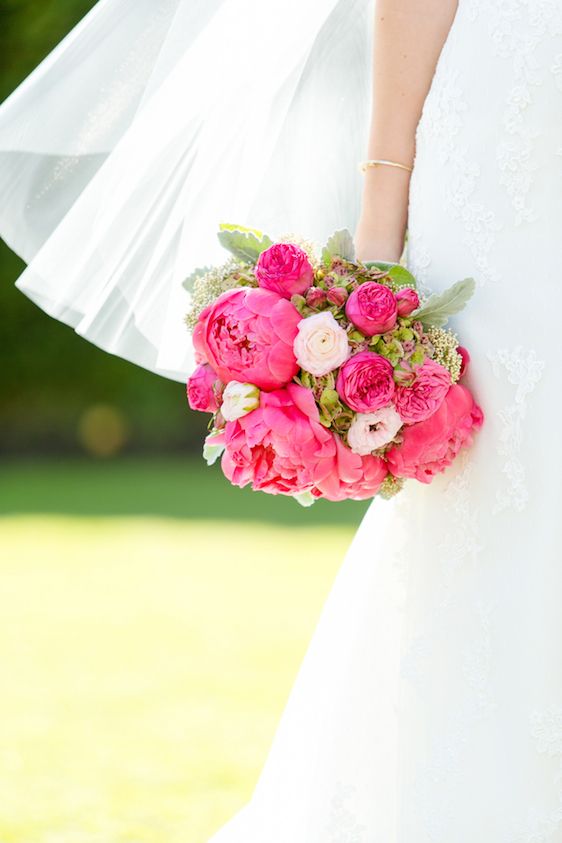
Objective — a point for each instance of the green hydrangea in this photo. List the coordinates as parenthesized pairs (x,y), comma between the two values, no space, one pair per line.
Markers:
(391,485)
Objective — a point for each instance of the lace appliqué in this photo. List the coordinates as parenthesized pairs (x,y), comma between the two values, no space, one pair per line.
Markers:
(441,127)
(343,826)
(524,371)
(546,729)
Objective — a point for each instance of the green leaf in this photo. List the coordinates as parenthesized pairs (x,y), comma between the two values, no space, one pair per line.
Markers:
(340,244)
(246,244)
(402,276)
(398,273)
(439,306)
(190,280)
(384,266)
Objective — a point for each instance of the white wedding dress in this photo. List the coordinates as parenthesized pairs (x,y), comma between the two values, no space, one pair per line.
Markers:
(428,706)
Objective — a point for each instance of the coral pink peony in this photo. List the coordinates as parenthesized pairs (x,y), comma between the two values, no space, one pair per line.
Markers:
(365,382)
(372,308)
(247,335)
(280,447)
(285,269)
(428,447)
(202,388)
(356,477)
(407,301)
(426,393)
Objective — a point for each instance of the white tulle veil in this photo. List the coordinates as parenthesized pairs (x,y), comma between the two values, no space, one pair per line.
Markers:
(154,121)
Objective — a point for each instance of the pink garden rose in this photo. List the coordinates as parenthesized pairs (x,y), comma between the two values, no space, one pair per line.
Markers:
(201,389)
(372,308)
(365,382)
(285,269)
(356,477)
(247,335)
(429,446)
(423,397)
(407,301)
(280,447)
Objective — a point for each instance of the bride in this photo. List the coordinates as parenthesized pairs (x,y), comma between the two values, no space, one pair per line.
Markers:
(428,706)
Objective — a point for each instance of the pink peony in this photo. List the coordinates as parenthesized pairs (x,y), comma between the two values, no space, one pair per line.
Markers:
(407,301)
(280,447)
(285,269)
(201,389)
(247,335)
(372,308)
(365,382)
(356,477)
(465,358)
(423,397)
(429,446)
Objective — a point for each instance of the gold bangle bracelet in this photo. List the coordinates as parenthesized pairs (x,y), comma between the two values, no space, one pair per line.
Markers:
(374,162)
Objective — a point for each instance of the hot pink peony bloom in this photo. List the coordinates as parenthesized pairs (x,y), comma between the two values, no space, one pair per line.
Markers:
(420,400)
(280,447)
(247,335)
(285,269)
(356,477)
(407,301)
(430,446)
(465,358)
(365,382)
(372,308)
(201,387)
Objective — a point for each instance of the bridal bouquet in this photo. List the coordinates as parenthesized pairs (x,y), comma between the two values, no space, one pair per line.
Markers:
(326,377)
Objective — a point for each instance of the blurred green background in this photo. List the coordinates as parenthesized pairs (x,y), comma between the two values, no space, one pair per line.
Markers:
(153,618)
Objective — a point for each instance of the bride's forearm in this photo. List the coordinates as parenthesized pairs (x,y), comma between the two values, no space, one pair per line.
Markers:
(408,38)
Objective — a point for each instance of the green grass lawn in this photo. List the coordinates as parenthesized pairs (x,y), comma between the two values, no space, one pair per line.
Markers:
(146,659)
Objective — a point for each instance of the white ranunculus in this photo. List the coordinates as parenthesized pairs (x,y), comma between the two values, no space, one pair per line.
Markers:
(370,431)
(239,399)
(321,344)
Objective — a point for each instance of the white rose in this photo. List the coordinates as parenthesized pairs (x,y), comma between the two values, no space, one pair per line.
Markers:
(370,431)
(239,399)
(321,344)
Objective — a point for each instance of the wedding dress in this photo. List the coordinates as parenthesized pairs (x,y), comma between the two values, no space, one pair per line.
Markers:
(428,706)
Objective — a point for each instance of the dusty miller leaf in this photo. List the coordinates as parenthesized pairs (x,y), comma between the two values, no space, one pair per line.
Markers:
(340,244)
(439,306)
(246,244)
